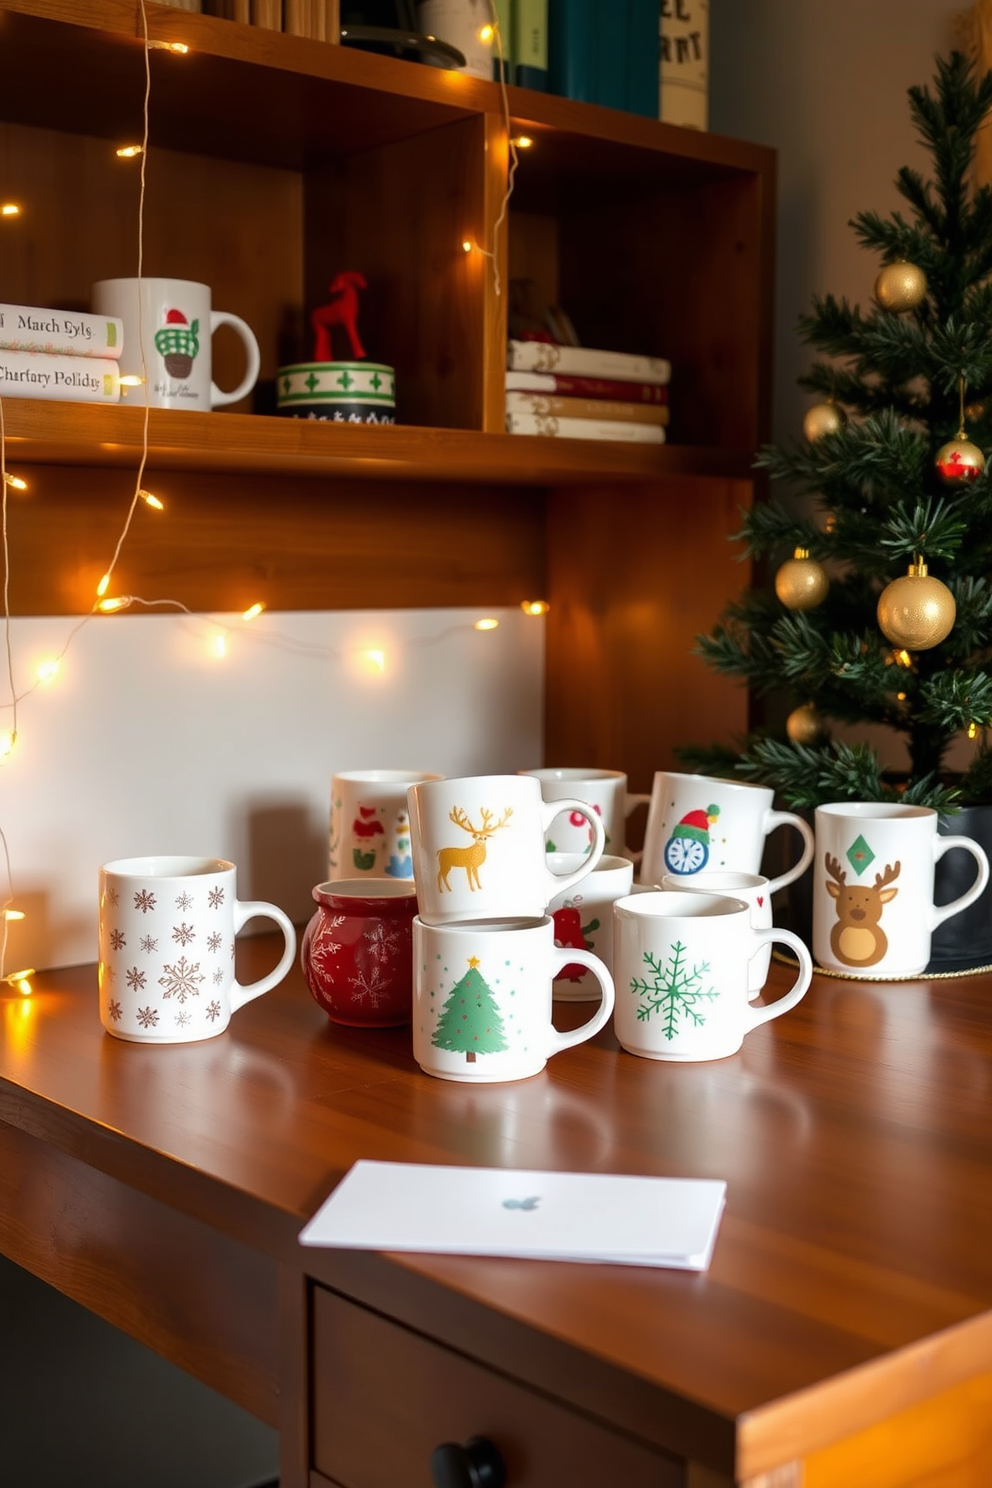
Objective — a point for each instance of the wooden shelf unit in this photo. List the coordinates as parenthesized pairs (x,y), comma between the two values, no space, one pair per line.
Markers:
(273,163)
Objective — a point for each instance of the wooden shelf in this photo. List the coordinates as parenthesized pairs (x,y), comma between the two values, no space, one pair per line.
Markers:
(45,432)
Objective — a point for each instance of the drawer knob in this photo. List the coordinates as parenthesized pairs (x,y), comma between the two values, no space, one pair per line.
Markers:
(477,1464)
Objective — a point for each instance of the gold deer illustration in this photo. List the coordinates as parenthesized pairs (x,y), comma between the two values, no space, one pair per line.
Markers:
(858,939)
(468,858)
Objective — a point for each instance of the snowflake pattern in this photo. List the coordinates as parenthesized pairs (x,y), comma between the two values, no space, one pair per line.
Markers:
(215,897)
(218,977)
(148,944)
(673,990)
(148,1017)
(382,941)
(135,979)
(117,940)
(112,896)
(213,1011)
(114,1009)
(183,1018)
(109,973)
(184,901)
(144,900)
(369,984)
(215,941)
(183,934)
(181,981)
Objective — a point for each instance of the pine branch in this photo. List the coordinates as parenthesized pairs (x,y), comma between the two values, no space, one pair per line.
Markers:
(930,528)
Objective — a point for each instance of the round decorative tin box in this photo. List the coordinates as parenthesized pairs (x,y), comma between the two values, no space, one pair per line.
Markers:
(338,392)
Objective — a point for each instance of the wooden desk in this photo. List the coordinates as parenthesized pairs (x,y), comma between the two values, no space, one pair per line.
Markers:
(842,1336)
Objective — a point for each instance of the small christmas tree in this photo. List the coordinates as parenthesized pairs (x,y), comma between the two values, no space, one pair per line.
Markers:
(881,611)
(470,1023)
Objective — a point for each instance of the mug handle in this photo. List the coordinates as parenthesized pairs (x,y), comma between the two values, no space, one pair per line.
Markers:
(789,819)
(941,845)
(245,910)
(632,801)
(244,330)
(567,956)
(757,1015)
(551,809)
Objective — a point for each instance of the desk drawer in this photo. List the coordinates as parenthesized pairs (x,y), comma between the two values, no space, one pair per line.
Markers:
(382,1398)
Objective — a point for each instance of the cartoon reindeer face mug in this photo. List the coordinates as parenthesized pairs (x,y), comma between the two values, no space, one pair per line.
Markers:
(873,909)
(478,848)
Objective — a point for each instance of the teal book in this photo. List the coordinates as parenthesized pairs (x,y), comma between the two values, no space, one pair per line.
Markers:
(572,40)
(530,44)
(642,57)
(611,54)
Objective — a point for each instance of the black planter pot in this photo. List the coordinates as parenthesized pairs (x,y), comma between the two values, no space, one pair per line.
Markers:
(962,943)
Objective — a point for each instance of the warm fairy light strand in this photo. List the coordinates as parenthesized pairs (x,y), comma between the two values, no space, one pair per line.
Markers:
(467,245)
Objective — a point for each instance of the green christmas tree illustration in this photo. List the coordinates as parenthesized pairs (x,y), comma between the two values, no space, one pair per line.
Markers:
(673,991)
(470,1023)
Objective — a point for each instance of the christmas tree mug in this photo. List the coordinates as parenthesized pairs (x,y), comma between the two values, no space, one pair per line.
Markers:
(482,999)
(755,891)
(681,961)
(172,322)
(873,909)
(605,791)
(697,822)
(479,852)
(166,937)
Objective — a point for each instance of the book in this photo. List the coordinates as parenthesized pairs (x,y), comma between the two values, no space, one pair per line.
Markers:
(551,405)
(267,13)
(642,65)
(572,38)
(503,44)
(530,44)
(583,428)
(72,379)
(683,70)
(571,386)
(297,17)
(610,44)
(62,332)
(589,361)
(616,1218)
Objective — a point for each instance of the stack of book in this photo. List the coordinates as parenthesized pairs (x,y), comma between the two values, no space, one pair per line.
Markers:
(579,392)
(67,355)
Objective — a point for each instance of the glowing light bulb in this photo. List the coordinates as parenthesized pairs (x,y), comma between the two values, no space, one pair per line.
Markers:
(128,152)
(10,209)
(7,742)
(19,979)
(376,659)
(132,381)
(535,606)
(488,623)
(115,602)
(218,645)
(48,670)
(253,611)
(521,141)
(14,481)
(179,47)
(13,914)
(486,34)
(151,501)
(103,585)
(467,245)
(973,730)
(902,658)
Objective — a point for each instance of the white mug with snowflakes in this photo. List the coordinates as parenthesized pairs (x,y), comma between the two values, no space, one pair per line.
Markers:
(166,935)
(482,999)
(168,339)
(699,822)
(680,962)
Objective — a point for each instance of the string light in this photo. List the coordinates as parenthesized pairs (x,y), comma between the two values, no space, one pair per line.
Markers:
(116,602)
(128,152)
(179,47)
(103,586)
(7,741)
(973,730)
(151,501)
(132,380)
(218,645)
(13,914)
(14,482)
(535,606)
(10,209)
(467,245)
(21,980)
(48,670)
(253,611)
(486,34)
(488,623)
(522,141)
(376,659)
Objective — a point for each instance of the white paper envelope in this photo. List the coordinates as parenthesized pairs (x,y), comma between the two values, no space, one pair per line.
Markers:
(632,1221)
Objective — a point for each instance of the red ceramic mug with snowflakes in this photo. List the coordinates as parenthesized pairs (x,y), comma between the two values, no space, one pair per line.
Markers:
(680,960)
(166,934)
(482,999)
(357,951)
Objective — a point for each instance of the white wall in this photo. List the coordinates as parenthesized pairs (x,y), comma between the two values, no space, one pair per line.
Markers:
(148,742)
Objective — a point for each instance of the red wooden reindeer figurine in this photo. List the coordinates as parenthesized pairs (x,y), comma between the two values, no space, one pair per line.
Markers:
(342,311)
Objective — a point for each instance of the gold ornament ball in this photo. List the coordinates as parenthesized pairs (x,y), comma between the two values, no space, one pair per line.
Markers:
(959,462)
(802,583)
(917,612)
(805,726)
(823,418)
(900,287)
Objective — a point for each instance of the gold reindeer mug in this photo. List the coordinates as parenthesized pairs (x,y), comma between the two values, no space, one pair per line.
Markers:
(873,873)
(479,851)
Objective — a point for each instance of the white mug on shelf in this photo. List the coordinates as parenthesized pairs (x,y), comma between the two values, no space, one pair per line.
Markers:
(605,791)
(173,321)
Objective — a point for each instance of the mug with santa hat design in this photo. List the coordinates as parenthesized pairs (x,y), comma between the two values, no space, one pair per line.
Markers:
(698,824)
(168,342)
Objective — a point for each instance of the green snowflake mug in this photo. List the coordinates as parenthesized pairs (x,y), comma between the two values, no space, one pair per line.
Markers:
(167,928)
(482,998)
(681,960)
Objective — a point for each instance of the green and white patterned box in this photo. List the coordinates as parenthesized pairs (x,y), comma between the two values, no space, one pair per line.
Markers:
(338,392)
